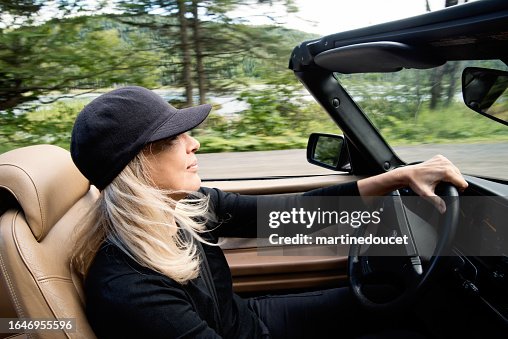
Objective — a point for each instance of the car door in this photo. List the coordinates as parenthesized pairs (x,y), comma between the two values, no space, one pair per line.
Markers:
(271,272)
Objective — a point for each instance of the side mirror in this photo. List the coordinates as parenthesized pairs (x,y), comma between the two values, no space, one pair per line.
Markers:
(484,91)
(328,151)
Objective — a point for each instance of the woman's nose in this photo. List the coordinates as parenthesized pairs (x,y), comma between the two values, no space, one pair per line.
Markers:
(193,144)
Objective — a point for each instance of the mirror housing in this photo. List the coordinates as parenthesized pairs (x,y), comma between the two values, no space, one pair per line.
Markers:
(328,151)
(484,91)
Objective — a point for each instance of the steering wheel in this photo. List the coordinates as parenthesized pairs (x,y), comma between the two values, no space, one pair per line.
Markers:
(391,282)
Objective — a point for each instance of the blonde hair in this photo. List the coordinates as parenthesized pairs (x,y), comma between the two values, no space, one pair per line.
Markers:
(146,223)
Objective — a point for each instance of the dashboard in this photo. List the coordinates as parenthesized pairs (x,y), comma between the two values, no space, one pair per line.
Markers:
(481,244)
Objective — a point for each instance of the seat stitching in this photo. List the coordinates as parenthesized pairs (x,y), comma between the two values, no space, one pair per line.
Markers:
(31,335)
(29,268)
(41,209)
(54,278)
(10,285)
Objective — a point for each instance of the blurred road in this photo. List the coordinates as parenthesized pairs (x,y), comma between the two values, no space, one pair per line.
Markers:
(482,159)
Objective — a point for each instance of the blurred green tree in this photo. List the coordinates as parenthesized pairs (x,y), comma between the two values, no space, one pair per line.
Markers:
(202,43)
(38,57)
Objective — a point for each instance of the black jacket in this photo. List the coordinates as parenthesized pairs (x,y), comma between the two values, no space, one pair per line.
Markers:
(126,300)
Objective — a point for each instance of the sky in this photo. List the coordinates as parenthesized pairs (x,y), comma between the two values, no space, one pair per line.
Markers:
(332,16)
(325,16)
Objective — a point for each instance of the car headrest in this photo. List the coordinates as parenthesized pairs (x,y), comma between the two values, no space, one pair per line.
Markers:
(44,181)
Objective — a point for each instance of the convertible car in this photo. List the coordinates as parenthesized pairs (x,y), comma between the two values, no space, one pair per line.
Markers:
(454,281)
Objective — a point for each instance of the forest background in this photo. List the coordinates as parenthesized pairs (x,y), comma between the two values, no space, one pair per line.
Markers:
(55,56)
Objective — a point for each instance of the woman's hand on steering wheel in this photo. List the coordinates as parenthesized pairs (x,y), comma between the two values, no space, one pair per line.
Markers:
(422,178)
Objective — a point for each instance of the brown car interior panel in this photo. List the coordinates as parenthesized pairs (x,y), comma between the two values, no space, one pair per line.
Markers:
(254,272)
(288,282)
(280,186)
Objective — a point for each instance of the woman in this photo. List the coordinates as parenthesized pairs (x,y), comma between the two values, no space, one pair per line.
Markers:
(148,246)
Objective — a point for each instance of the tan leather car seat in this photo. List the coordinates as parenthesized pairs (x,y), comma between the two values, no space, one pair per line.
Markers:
(42,198)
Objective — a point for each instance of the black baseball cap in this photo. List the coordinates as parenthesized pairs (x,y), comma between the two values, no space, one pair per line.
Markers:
(112,129)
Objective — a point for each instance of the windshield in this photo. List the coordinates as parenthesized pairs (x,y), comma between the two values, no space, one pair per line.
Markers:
(421,113)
